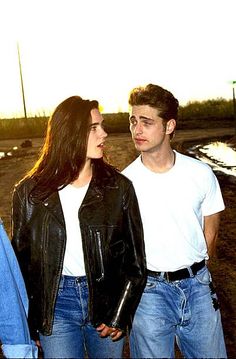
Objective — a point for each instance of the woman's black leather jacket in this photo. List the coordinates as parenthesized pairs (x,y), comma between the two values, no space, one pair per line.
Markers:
(113,246)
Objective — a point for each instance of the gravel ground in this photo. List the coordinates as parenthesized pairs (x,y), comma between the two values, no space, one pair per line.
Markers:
(120,152)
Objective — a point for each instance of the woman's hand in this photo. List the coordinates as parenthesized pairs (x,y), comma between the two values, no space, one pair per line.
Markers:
(106,331)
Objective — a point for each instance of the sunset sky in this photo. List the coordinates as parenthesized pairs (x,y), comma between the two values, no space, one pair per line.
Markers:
(101,49)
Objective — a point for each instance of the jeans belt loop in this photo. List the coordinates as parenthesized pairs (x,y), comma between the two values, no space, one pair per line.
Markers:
(61,283)
(190,272)
(167,277)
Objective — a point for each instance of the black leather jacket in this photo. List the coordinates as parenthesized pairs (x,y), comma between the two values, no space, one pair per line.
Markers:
(113,246)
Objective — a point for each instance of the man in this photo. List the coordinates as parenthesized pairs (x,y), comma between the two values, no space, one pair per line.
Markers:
(180,201)
(14,331)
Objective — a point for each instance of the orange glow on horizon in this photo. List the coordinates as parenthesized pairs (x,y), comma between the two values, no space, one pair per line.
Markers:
(65,50)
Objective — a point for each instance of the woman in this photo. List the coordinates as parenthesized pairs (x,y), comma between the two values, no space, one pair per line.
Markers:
(78,237)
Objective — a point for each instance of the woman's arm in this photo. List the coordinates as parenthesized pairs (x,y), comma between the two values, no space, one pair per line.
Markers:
(134,261)
(18,227)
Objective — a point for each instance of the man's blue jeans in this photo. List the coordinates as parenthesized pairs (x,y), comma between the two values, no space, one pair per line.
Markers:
(73,335)
(185,310)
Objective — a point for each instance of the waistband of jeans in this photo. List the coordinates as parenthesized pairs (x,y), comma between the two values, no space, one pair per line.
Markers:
(69,280)
(179,274)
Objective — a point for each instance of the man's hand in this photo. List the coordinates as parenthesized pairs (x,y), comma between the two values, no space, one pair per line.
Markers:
(105,331)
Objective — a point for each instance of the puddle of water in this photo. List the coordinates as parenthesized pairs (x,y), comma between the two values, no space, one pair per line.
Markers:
(221,152)
(219,155)
(8,153)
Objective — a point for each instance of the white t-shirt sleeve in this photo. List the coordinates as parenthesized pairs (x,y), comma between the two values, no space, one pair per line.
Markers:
(213,201)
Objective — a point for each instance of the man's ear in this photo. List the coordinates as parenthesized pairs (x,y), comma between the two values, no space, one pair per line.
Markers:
(170,126)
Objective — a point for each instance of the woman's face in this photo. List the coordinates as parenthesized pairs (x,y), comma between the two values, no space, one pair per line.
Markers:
(96,136)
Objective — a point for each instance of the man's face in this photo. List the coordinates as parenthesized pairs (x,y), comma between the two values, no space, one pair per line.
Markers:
(149,131)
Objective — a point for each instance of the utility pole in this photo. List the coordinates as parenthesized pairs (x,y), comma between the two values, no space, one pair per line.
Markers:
(234,105)
(21,79)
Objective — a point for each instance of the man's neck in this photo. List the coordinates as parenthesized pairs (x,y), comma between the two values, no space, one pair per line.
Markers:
(159,162)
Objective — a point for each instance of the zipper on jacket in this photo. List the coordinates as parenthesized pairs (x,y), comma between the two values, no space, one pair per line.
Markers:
(98,236)
(116,319)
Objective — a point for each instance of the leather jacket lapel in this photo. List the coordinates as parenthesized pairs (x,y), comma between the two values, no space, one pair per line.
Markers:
(53,205)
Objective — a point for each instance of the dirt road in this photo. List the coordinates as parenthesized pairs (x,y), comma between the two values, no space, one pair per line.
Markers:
(120,153)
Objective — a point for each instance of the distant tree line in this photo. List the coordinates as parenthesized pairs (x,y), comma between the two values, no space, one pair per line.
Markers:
(210,113)
(205,114)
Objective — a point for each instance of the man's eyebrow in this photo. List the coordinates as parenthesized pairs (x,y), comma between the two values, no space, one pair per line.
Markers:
(142,118)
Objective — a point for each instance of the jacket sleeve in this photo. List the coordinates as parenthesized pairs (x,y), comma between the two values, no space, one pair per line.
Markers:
(135,262)
(20,240)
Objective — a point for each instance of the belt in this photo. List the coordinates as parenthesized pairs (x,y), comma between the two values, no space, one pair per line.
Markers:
(179,274)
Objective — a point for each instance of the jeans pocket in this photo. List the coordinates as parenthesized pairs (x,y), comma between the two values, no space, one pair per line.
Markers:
(203,276)
(149,286)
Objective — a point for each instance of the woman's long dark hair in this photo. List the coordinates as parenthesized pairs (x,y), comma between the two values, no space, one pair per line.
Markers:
(64,151)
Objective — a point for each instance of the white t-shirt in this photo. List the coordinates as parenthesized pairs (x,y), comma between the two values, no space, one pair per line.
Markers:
(172,206)
(71,198)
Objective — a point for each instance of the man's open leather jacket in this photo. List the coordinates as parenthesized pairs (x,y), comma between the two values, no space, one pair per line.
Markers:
(112,238)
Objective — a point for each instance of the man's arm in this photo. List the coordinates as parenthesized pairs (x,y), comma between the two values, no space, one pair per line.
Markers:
(211,229)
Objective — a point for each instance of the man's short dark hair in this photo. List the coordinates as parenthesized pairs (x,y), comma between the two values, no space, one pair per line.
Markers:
(156,97)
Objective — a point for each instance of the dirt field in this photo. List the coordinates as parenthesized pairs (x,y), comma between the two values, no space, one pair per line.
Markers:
(120,152)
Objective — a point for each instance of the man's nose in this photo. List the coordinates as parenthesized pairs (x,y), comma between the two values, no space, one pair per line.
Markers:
(138,128)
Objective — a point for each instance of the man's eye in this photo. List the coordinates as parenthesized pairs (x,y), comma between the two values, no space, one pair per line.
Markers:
(93,128)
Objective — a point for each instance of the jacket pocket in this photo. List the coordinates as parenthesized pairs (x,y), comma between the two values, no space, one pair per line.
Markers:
(117,249)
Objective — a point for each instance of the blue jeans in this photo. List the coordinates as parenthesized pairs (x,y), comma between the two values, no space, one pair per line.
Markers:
(73,336)
(185,310)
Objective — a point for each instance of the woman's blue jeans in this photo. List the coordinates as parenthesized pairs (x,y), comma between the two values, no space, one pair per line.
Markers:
(186,311)
(73,336)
